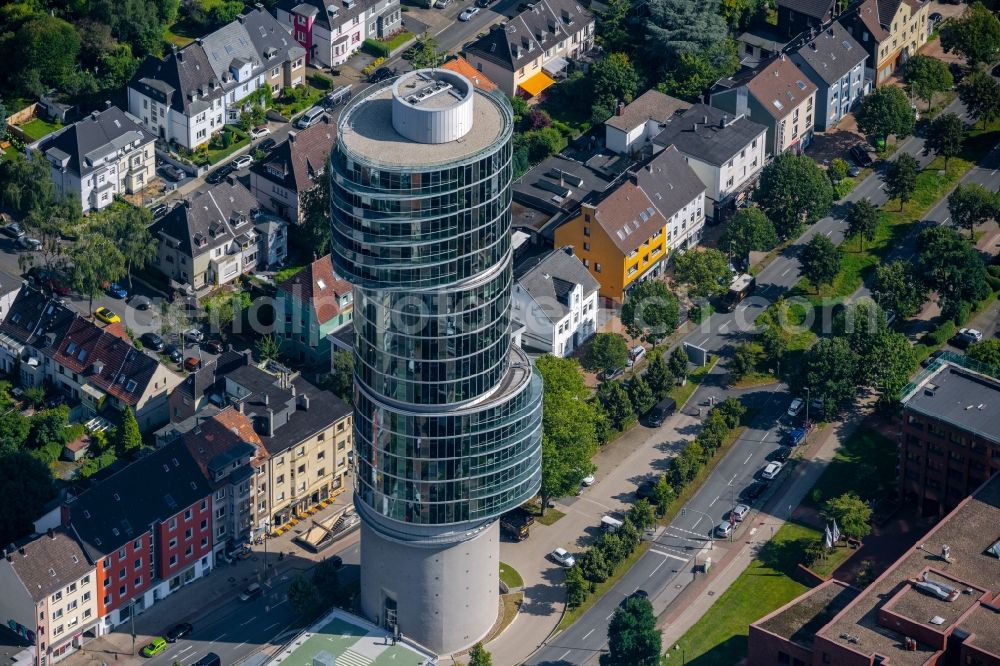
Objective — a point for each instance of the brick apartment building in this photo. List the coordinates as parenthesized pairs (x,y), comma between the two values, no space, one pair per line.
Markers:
(937,605)
(949,436)
(148,529)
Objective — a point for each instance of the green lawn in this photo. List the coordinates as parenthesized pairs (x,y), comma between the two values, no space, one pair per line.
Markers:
(36,128)
(180,34)
(287,273)
(217,155)
(720,636)
(865,463)
(297,99)
(510,576)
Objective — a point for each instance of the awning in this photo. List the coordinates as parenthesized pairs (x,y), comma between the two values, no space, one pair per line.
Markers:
(554,66)
(536,83)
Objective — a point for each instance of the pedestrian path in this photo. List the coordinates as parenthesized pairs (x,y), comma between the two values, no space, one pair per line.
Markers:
(345,640)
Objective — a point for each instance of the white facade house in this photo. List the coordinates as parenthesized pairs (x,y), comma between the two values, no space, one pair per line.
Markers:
(330,31)
(634,126)
(727,153)
(106,154)
(555,300)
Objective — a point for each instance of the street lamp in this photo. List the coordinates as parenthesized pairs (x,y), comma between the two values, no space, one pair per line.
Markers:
(267,530)
(807,406)
(677,646)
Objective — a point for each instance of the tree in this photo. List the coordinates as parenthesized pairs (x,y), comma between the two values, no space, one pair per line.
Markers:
(327,581)
(130,438)
(829,371)
(741,14)
(569,427)
(945,136)
(26,486)
(927,76)
(633,639)
(425,52)
(650,311)
(980,93)
(793,192)
(890,361)
(268,348)
(987,351)
(478,656)
(314,233)
(594,565)
(614,80)
(642,514)
(952,267)
(744,361)
(820,261)
(884,112)
(838,170)
(640,394)
(678,27)
(971,205)
(678,363)
(127,226)
(658,375)
(901,178)
(693,73)
(304,597)
(47,48)
(613,26)
(975,35)
(663,494)
(862,221)
(606,351)
(26,184)
(341,381)
(853,515)
(897,288)
(14,429)
(704,270)
(95,264)
(614,400)
(49,427)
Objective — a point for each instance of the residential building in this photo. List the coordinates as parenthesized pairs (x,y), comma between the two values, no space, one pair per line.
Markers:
(460,65)
(209,240)
(148,528)
(557,185)
(448,411)
(759,44)
(233,460)
(628,235)
(292,168)
(10,287)
(633,127)
(272,240)
(523,55)
(949,439)
(189,94)
(32,326)
(309,307)
(106,154)
(305,432)
(49,594)
(331,31)
(798,16)
(727,153)
(835,62)
(892,31)
(936,604)
(555,299)
(99,367)
(779,97)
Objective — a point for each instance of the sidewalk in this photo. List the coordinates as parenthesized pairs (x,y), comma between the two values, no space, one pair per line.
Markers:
(697,598)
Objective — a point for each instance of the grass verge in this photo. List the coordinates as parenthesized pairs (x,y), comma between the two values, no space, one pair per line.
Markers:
(510,576)
(691,488)
(286,273)
(681,394)
(756,378)
(572,615)
(550,518)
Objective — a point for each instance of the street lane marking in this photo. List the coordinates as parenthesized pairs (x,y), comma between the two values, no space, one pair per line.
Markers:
(607,618)
(249,621)
(731,480)
(765,435)
(660,552)
(786,271)
(240,645)
(702,345)
(722,329)
(587,634)
(272,626)
(830,232)
(217,638)
(696,524)
(713,502)
(748,459)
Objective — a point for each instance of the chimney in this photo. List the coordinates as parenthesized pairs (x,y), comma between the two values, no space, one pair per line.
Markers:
(52,534)
(704,120)
(241,18)
(621,108)
(270,422)
(239,406)
(294,390)
(94,114)
(946,553)
(107,104)
(267,399)
(725,119)
(305,402)
(22,551)
(568,249)
(200,41)
(291,137)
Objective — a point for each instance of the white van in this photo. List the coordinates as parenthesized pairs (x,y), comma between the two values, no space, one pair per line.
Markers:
(609,524)
(310,117)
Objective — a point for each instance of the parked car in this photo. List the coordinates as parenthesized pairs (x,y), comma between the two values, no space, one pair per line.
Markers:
(468,13)
(587,480)
(179,631)
(753,491)
(210,659)
(562,557)
(12,230)
(173,353)
(241,162)
(192,363)
(796,407)
(213,346)
(646,489)
(267,144)
(152,341)
(158,211)
(484,3)
(310,117)
(780,454)
(173,173)
(933,357)
(771,470)
(155,647)
(219,174)
(258,132)
(635,354)
(739,512)
(107,315)
(381,74)
(29,243)
(194,335)
(252,591)
(860,155)
(115,290)
(853,171)
(794,437)
(612,373)
(339,96)
(968,336)
(140,303)
(957,72)
(934,18)
(724,529)
(441,4)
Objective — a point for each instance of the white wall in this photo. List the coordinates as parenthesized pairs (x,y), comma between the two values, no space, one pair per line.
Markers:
(685,225)
(555,337)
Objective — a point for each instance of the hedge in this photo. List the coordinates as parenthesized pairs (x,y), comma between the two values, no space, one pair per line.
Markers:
(376,48)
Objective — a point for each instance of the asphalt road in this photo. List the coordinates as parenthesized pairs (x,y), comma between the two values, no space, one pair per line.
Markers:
(238,629)
(677,552)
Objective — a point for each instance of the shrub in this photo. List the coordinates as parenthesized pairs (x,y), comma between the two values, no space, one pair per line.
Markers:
(941,334)
(994,283)
(376,63)
(376,48)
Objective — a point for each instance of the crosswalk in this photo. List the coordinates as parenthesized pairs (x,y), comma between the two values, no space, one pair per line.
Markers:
(352,658)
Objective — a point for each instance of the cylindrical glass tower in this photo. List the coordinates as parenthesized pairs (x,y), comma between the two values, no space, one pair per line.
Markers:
(447,424)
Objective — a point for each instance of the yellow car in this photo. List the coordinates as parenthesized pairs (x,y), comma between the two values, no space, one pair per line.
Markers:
(157,646)
(106,315)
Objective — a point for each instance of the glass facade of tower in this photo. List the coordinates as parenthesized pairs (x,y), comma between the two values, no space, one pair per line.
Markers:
(447,411)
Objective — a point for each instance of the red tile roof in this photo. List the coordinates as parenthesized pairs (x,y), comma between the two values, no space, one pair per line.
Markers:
(106,360)
(319,286)
(460,65)
(219,433)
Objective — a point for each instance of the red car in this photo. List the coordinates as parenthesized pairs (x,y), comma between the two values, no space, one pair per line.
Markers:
(192,363)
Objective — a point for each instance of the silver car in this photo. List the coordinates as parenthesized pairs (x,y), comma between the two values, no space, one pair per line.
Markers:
(739,512)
